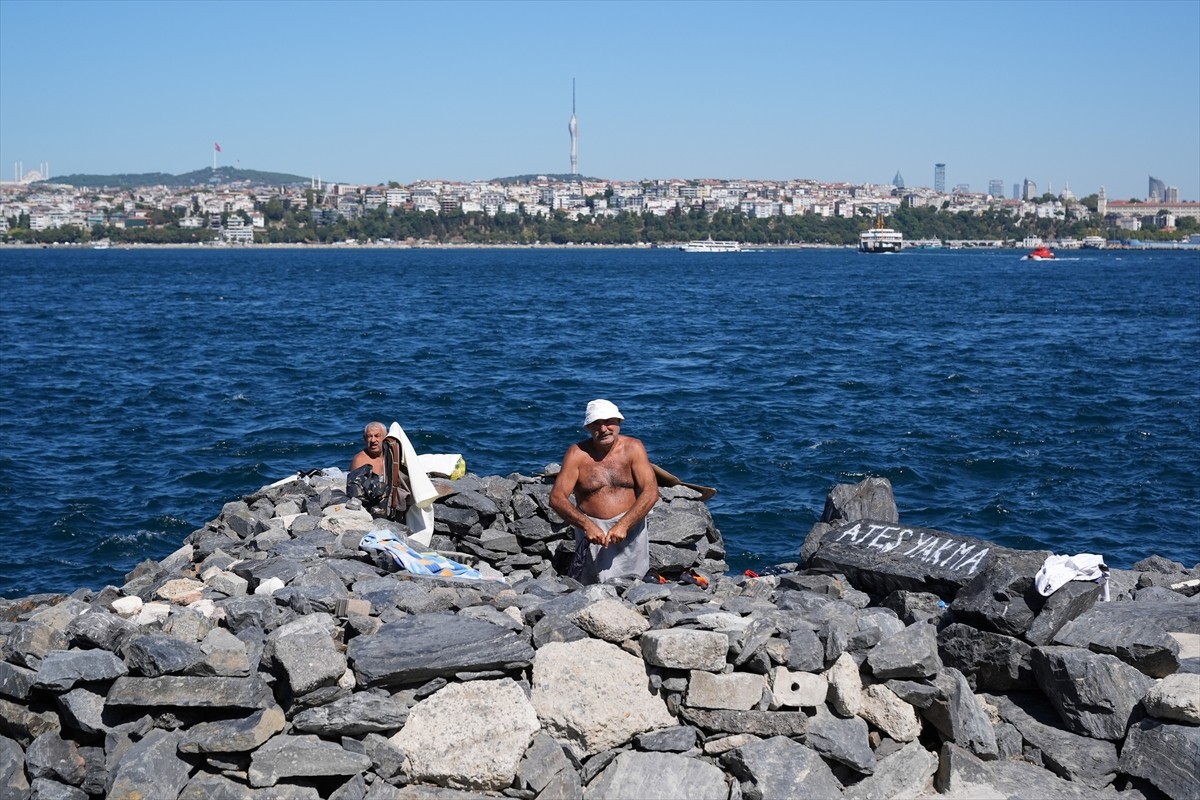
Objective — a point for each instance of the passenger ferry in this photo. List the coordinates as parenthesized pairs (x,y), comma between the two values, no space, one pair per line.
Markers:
(880,239)
(1094,242)
(709,246)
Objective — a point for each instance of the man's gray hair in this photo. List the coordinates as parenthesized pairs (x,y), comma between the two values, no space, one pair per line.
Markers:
(367,428)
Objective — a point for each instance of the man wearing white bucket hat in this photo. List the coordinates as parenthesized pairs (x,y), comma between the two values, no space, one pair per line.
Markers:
(614,487)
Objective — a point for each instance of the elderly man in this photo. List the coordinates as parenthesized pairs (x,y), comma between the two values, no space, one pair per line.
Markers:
(614,488)
(372,452)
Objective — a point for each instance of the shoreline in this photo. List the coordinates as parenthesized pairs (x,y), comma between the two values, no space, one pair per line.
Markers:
(273,656)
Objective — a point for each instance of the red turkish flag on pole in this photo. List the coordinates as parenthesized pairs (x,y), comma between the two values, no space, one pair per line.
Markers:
(216,147)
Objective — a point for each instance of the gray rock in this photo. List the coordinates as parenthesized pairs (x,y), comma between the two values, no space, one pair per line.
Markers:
(100,630)
(309,660)
(1136,632)
(678,739)
(841,740)
(732,690)
(250,612)
(805,651)
(355,715)
(870,498)
(904,773)
(759,723)
(911,653)
(1164,754)
(13,781)
(62,669)
(156,654)
(960,717)
(991,661)
(779,767)
(542,761)
(189,692)
(657,776)
(1081,759)
(20,722)
(404,652)
(150,767)
(1071,600)
(234,735)
(1175,698)
(555,628)
(16,681)
(83,710)
(1003,598)
(51,756)
(301,756)
(961,774)
(1095,694)
(880,557)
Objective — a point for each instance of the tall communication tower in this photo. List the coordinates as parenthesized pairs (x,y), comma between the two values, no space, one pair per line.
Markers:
(573,127)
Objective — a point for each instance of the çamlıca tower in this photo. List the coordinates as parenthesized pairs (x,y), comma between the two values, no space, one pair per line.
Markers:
(573,127)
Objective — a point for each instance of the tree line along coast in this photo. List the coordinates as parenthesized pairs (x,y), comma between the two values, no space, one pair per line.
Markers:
(313,216)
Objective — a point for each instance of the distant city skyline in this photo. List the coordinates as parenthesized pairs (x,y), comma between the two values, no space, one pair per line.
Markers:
(370,92)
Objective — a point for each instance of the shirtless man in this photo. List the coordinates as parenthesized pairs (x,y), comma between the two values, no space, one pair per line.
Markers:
(372,452)
(614,488)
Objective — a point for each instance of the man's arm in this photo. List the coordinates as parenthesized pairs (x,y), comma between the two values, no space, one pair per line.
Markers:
(564,487)
(359,460)
(645,488)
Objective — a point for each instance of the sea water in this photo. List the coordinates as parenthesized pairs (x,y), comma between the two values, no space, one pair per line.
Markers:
(1036,405)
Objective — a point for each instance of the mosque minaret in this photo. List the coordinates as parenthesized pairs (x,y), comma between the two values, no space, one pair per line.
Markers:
(573,127)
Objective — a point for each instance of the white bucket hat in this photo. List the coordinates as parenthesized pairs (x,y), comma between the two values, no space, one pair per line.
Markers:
(601,409)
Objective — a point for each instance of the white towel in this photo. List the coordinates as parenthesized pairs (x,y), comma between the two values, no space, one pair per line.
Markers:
(1058,570)
(419,518)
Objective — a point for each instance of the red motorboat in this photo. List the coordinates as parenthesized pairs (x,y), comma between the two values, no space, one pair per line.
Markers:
(1041,253)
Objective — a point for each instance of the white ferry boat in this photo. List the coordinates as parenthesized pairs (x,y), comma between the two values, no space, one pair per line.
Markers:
(1094,242)
(880,239)
(709,246)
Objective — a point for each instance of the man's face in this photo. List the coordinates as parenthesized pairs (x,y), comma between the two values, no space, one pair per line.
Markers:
(373,442)
(604,431)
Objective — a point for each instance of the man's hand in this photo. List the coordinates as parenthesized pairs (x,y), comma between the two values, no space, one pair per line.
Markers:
(594,534)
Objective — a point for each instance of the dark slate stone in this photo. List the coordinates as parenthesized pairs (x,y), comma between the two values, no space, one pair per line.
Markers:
(51,756)
(677,739)
(779,767)
(302,756)
(241,735)
(805,651)
(911,653)
(1165,754)
(881,557)
(101,631)
(911,607)
(1002,598)
(156,654)
(659,776)
(150,767)
(83,710)
(1073,599)
(29,642)
(916,693)
(13,781)
(759,723)
(841,740)
(1095,695)
(62,669)
(959,717)
(1136,632)
(15,681)
(418,648)
(962,774)
(991,661)
(1081,759)
(676,528)
(252,611)
(355,715)
(276,567)
(542,761)
(189,692)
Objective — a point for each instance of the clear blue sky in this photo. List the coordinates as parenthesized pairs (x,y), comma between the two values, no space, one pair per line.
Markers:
(1085,93)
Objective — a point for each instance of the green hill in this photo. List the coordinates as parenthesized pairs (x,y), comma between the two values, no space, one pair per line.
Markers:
(200,177)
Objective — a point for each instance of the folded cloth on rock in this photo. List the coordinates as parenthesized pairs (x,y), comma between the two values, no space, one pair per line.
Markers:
(1057,571)
(417,563)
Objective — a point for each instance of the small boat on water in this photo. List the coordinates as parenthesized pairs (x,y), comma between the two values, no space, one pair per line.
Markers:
(709,246)
(880,239)
(1040,253)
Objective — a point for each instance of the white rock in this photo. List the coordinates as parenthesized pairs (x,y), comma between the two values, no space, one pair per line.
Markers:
(127,606)
(611,620)
(1175,697)
(683,648)
(468,735)
(738,691)
(884,709)
(269,587)
(845,686)
(798,689)
(152,613)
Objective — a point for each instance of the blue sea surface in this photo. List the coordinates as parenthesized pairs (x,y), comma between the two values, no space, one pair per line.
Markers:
(1034,405)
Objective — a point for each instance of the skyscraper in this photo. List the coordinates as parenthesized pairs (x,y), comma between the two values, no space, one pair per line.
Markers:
(1158,189)
(939,178)
(1028,190)
(996,188)
(573,127)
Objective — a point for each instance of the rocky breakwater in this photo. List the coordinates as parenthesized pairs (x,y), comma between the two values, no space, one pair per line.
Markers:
(271,658)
